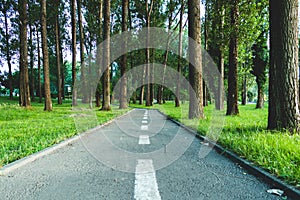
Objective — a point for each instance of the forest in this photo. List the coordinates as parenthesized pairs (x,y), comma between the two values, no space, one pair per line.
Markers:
(67,52)
(45,47)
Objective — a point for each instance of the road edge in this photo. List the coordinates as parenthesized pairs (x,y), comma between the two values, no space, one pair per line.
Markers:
(5,170)
(258,172)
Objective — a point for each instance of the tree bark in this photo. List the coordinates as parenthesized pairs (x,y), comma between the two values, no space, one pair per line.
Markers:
(160,94)
(244,91)
(84,91)
(195,72)
(73,23)
(62,66)
(99,54)
(220,90)
(123,91)
(177,96)
(284,75)
(232,99)
(106,57)
(58,56)
(48,101)
(260,95)
(24,81)
(148,12)
(39,65)
(31,63)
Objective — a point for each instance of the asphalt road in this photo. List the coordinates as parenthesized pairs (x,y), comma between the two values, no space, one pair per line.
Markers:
(139,156)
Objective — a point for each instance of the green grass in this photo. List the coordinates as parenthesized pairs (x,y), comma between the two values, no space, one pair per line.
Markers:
(246,135)
(26,131)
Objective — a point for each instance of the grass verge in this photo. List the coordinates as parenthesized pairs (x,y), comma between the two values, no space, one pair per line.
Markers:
(26,131)
(246,135)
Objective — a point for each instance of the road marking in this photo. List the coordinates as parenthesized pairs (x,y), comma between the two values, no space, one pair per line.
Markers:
(145,187)
(145,117)
(144,127)
(144,139)
(144,122)
(146,112)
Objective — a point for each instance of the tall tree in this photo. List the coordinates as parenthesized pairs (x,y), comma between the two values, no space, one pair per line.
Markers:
(73,23)
(177,98)
(39,64)
(232,99)
(123,91)
(24,81)
(106,57)
(195,61)
(48,101)
(160,92)
(220,55)
(148,15)
(81,42)
(99,53)
(31,63)
(57,51)
(284,75)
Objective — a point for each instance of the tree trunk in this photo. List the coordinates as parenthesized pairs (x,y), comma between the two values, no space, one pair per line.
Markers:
(39,65)
(99,54)
(82,64)
(232,100)
(24,81)
(58,56)
(73,23)
(284,75)
(48,101)
(244,91)
(31,62)
(106,57)
(205,95)
(152,78)
(62,67)
(8,57)
(177,96)
(260,95)
(195,61)
(160,94)
(123,91)
(220,89)
(148,10)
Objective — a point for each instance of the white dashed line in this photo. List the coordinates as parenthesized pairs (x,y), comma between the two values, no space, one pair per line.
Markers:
(144,122)
(145,181)
(145,117)
(144,127)
(144,139)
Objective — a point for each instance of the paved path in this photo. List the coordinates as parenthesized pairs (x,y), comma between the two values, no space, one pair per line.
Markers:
(75,172)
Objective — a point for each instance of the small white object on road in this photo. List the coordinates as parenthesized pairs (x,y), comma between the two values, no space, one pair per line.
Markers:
(144,127)
(145,187)
(144,139)
(276,192)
